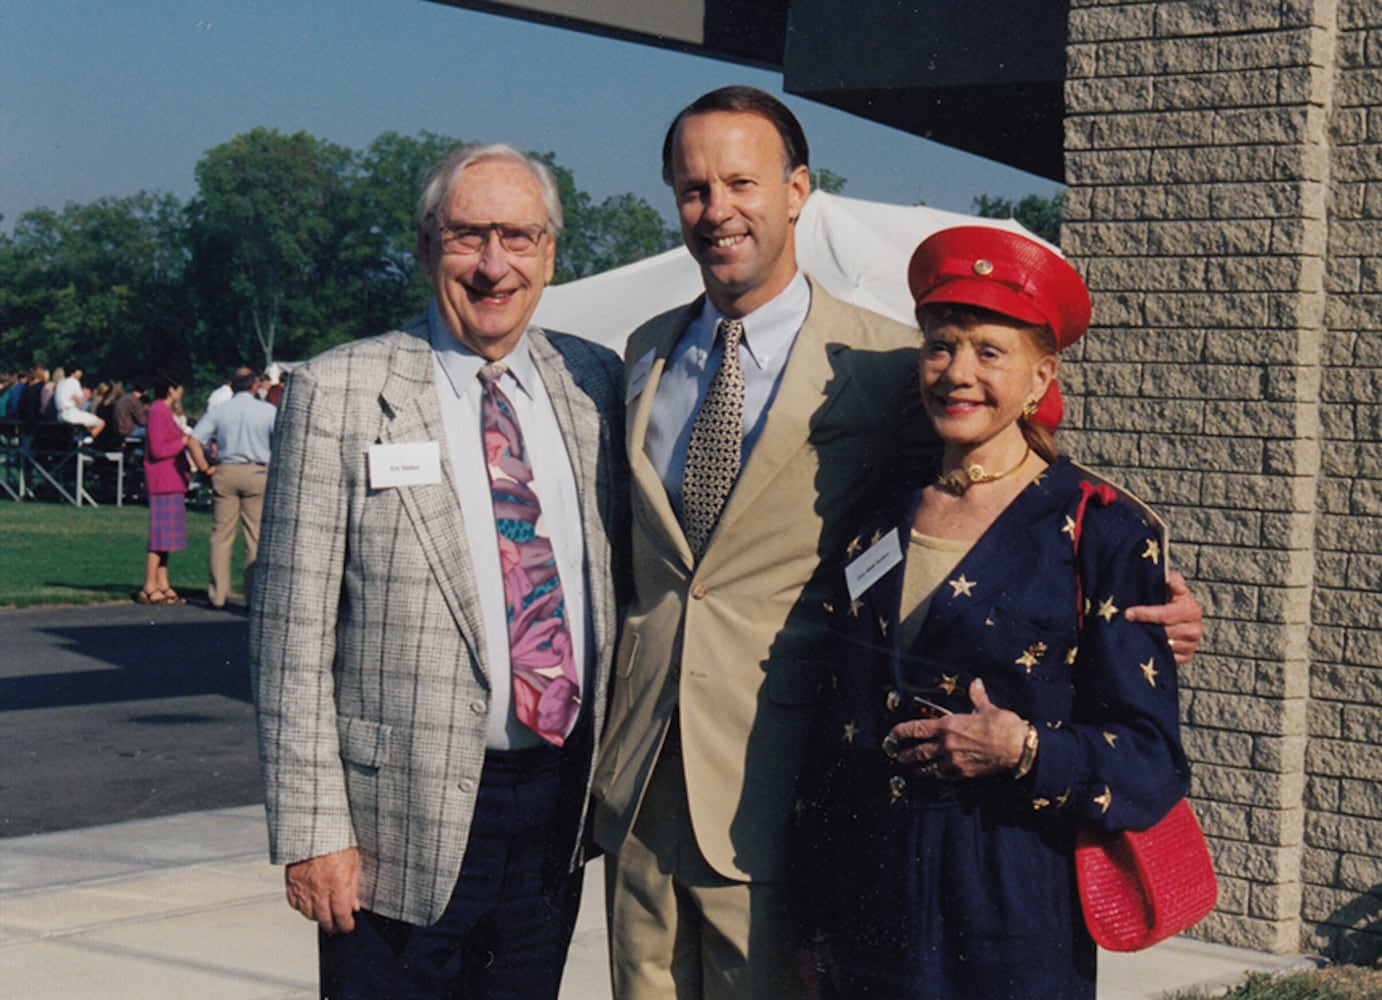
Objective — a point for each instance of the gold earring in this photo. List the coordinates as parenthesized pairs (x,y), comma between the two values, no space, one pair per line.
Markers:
(1029,409)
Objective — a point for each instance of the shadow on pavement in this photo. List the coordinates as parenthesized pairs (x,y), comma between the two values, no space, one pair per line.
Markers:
(136,661)
(120,712)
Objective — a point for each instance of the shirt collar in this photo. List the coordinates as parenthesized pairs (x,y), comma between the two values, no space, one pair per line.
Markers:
(462,365)
(769,329)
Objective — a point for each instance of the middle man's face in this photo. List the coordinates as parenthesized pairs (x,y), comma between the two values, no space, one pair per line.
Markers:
(737,207)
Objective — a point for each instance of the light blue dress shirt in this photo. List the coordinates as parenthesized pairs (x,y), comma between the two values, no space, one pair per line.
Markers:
(460,393)
(769,332)
(242,427)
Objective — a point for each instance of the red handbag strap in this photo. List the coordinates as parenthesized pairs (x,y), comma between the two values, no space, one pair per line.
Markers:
(1106,495)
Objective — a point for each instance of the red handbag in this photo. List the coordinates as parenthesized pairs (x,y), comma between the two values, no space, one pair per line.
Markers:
(1138,887)
(1141,887)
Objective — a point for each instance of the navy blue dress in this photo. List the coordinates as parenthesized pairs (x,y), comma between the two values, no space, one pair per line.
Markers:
(966,890)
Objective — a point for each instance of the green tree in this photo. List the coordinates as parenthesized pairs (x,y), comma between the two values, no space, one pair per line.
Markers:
(386,188)
(277,246)
(1039,214)
(827,181)
(291,244)
(619,230)
(101,282)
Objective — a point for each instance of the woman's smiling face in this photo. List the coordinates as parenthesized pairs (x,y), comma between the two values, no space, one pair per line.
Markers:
(976,375)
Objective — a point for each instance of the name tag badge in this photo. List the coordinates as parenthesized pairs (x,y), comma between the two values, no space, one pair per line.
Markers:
(413,464)
(873,565)
(638,375)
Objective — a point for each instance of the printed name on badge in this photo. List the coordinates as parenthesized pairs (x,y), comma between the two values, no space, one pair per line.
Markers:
(638,375)
(873,565)
(414,464)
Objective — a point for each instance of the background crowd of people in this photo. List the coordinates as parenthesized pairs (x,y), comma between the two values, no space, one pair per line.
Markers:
(147,423)
(102,416)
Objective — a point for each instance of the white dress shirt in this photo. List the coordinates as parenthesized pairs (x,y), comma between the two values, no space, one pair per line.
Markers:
(460,393)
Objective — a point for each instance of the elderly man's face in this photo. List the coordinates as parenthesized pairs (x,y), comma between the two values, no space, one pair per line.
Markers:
(486,297)
(737,207)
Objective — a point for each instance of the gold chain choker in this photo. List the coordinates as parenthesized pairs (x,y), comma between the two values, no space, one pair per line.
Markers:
(957,483)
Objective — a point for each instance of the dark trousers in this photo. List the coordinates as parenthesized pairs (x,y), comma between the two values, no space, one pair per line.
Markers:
(505,932)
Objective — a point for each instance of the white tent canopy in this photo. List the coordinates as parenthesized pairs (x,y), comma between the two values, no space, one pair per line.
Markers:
(857,249)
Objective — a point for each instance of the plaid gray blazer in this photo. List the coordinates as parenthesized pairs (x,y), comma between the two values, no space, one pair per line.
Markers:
(369,665)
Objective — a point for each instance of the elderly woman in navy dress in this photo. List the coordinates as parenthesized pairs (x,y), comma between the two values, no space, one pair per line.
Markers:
(992,693)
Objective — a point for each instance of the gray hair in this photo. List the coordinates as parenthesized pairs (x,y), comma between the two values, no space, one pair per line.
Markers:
(436,187)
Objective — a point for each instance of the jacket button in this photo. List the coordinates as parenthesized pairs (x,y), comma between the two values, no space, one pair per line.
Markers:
(897,786)
(698,591)
(893,701)
(478,707)
(468,785)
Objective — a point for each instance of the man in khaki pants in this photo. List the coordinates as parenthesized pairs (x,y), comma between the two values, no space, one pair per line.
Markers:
(242,428)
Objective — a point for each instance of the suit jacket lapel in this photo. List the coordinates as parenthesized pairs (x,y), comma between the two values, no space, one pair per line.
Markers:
(810,382)
(580,428)
(648,489)
(413,414)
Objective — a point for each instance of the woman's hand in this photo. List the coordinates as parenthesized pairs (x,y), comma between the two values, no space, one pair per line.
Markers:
(974,744)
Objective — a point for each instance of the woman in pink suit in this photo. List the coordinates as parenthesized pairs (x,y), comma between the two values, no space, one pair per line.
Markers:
(166,473)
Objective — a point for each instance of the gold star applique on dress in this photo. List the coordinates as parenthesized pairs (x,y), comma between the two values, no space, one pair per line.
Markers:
(829,608)
(1031,656)
(852,549)
(1153,552)
(1107,609)
(877,537)
(961,586)
(1040,803)
(1111,739)
(949,683)
(1069,528)
(1062,799)
(854,607)
(1070,656)
(1105,800)
(851,731)
(883,626)
(1149,671)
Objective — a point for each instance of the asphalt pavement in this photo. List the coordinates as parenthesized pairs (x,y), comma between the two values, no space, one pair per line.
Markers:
(122,711)
(132,839)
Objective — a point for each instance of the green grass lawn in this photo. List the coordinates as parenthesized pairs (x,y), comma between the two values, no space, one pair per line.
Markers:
(53,553)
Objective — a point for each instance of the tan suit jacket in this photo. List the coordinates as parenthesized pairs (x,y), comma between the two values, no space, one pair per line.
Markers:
(371,677)
(737,644)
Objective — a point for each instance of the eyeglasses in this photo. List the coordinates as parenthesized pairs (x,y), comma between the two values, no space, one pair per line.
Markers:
(471,237)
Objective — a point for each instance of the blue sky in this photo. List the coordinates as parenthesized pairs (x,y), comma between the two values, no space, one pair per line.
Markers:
(100,98)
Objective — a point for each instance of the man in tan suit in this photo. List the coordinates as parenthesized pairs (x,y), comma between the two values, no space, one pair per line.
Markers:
(725,642)
(429,696)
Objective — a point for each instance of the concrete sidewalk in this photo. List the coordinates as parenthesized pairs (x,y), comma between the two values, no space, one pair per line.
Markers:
(187,906)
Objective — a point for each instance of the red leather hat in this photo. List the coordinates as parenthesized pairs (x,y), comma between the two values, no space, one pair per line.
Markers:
(1004,272)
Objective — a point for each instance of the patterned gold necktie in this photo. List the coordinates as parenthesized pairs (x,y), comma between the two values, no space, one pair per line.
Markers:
(717,438)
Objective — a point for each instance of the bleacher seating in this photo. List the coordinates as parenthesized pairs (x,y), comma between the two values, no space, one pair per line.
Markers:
(45,460)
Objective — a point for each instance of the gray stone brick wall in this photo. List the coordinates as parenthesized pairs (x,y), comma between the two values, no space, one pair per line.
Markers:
(1224,162)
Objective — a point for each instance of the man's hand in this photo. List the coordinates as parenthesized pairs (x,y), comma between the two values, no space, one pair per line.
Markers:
(1183,618)
(326,889)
